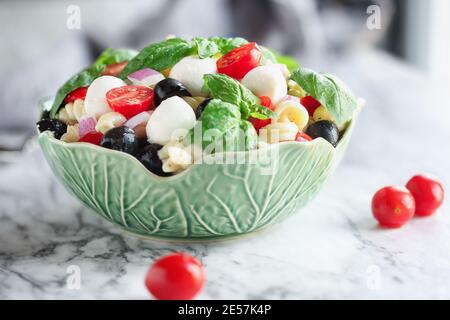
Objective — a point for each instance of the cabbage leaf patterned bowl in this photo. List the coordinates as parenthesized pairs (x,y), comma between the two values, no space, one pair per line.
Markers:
(206,201)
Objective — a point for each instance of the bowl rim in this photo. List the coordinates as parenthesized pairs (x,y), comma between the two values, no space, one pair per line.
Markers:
(303,145)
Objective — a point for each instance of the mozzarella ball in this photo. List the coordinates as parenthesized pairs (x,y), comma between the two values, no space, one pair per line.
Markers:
(190,71)
(172,117)
(95,103)
(266,81)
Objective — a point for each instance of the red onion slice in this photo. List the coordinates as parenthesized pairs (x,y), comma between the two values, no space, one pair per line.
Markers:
(146,77)
(86,125)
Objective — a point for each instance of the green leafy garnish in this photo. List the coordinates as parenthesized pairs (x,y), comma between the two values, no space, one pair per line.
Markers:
(209,47)
(160,56)
(225,45)
(290,62)
(329,91)
(268,55)
(205,47)
(222,129)
(229,90)
(110,56)
(86,76)
(274,57)
(218,119)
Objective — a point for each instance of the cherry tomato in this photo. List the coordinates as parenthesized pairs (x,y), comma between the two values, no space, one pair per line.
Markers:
(259,123)
(238,62)
(76,94)
(130,100)
(114,69)
(266,102)
(302,137)
(92,137)
(310,104)
(177,276)
(393,206)
(428,193)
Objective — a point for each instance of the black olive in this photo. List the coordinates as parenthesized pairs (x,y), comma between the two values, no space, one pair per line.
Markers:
(201,107)
(148,156)
(120,139)
(324,129)
(169,88)
(54,125)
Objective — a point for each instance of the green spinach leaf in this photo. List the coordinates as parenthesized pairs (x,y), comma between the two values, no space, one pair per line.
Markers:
(160,56)
(110,56)
(222,129)
(230,90)
(331,92)
(225,45)
(217,120)
(205,47)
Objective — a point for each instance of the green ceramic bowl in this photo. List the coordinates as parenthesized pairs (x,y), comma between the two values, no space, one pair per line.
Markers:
(206,201)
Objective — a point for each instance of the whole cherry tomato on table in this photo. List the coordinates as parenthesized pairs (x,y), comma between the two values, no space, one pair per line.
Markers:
(428,193)
(238,62)
(393,206)
(175,277)
(130,100)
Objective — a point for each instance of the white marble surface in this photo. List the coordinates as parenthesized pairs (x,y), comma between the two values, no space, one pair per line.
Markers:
(331,249)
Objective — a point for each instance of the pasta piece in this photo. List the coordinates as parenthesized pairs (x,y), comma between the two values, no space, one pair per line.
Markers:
(279,132)
(109,120)
(295,90)
(72,112)
(72,134)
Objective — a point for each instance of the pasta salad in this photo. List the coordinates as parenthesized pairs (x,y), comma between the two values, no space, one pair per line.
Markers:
(177,99)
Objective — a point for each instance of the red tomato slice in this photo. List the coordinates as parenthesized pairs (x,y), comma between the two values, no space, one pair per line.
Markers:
(267,102)
(92,137)
(238,62)
(76,94)
(175,277)
(310,104)
(114,69)
(130,100)
(258,123)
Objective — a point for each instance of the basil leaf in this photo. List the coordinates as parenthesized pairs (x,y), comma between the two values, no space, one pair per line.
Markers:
(205,47)
(225,45)
(217,120)
(274,57)
(110,56)
(86,76)
(262,111)
(230,90)
(290,62)
(268,55)
(160,56)
(329,91)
